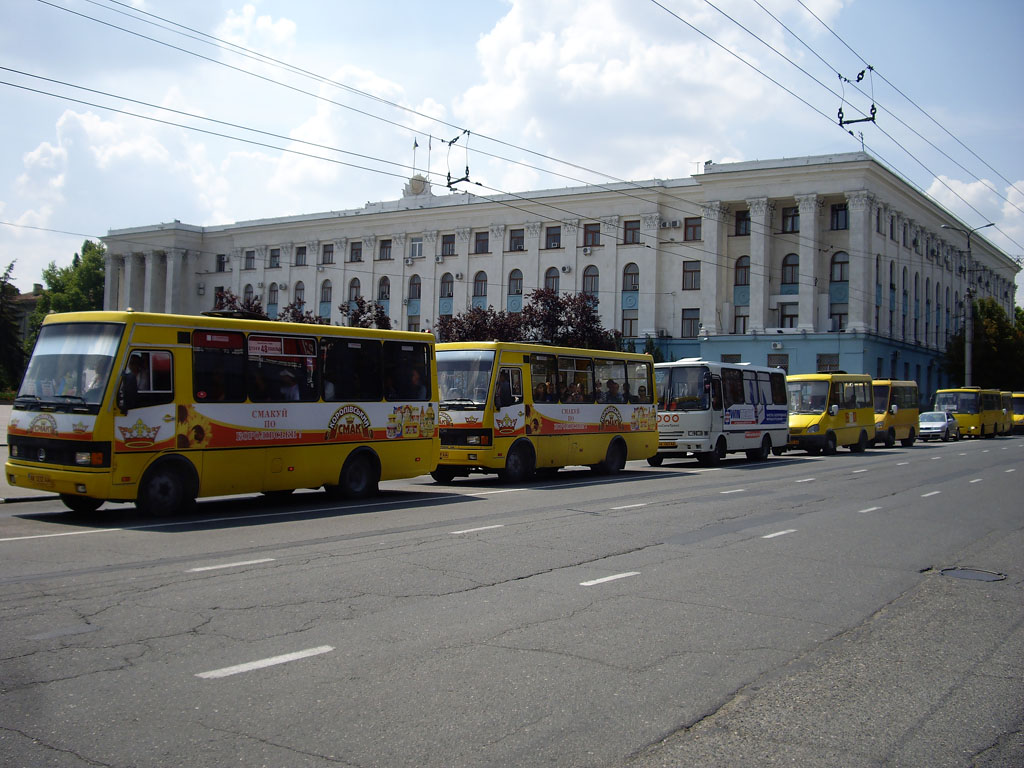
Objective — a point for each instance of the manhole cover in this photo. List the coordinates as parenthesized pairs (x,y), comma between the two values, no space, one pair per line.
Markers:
(975,574)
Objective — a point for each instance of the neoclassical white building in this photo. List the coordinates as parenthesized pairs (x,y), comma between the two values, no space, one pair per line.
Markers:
(806,263)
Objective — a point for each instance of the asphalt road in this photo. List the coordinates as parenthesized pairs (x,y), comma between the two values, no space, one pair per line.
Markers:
(787,613)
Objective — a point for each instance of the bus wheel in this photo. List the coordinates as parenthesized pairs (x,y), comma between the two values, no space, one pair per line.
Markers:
(443,476)
(862,443)
(359,477)
(778,451)
(163,491)
(713,458)
(518,465)
(830,444)
(890,437)
(655,460)
(614,459)
(762,453)
(80,505)
(911,438)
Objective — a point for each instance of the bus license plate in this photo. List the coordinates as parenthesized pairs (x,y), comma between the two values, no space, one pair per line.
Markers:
(41,479)
(444,454)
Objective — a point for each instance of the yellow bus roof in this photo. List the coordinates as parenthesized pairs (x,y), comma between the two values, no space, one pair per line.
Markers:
(543,349)
(895,382)
(829,377)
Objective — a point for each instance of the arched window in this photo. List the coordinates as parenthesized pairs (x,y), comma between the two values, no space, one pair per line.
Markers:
(631,277)
(551,279)
(272,301)
(515,283)
(790,269)
(840,267)
(384,289)
(447,285)
(415,287)
(353,289)
(325,291)
(300,295)
(480,284)
(743,270)
(591,280)
(247,293)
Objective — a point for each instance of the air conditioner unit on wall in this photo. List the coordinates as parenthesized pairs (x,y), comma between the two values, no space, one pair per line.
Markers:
(282,286)
(776,345)
(408,261)
(439,258)
(664,224)
(586,250)
(259,285)
(458,275)
(675,223)
(566,268)
(662,333)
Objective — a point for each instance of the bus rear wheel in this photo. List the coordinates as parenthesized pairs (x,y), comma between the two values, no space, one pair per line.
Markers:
(862,443)
(655,460)
(164,491)
(80,505)
(713,458)
(762,453)
(443,475)
(358,478)
(518,465)
(614,459)
(909,440)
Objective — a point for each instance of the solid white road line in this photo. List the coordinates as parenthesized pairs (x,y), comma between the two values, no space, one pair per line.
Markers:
(930,493)
(630,506)
(869,509)
(609,578)
(260,664)
(735,490)
(230,565)
(474,530)
(779,533)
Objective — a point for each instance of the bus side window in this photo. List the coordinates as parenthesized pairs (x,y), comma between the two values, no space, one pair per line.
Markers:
(778,381)
(406,368)
(351,370)
(148,379)
(732,383)
(716,394)
(218,366)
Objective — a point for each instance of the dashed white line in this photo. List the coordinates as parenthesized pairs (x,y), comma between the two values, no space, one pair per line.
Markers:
(976,480)
(930,493)
(230,565)
(779,533)
(858,471)
(869,509)
(985,451)
(963,454)
(630,506)
(261,663)
(474,530)
(734,490)
(609,578)
(1011,470)
(902,463)
(936,458)
(806,480)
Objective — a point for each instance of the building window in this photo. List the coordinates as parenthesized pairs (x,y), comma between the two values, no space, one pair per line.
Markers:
(742,223)
(781,361)
(272,295)
(415,247)
(553,237)
(515,283)
(551,279)
(838,313)
(791,219)
(447,285)
(788,315)
(741,316)
(742,271)
(480,284)
(447,245)
(222,262)
(691,323)
(355,251)
(629,321)
(790,269)
(591,277)
(415,287)
(275,257)
(353,289)
(892,228)
(250,260)
(840,218)
(840,267)
(481,242)
(516,240)
(300,256)
(247,293)
(631,232)
(691,228)
(384,289)
(327,254)
(384,252)
(691,275)
(300,296)
(326,291)
(827,363)
(631,278)
(906,236)
(414,323)
(878,220)
(591,234)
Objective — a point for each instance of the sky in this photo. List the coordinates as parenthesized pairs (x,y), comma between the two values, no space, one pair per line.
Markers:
(554,93)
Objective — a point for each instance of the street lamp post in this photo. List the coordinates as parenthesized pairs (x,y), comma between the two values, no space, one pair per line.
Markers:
(969,316)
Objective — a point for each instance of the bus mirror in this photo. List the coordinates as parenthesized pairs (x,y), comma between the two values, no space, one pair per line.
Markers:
(126,393)
(894,409)
(834,410)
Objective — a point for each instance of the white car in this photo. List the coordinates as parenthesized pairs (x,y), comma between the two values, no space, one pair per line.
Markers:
(939,424)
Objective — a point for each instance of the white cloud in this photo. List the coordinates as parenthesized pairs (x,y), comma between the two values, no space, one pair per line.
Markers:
(247,29)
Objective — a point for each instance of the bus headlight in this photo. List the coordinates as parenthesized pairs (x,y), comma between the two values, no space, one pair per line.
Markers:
(83,458)
(812,430)
(473,440)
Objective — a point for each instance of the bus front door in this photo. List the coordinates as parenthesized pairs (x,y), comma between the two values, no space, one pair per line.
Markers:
(717,421)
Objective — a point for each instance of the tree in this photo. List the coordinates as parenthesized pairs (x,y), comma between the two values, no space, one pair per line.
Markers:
(12,354)
(75,288)
(652,349)
(566,319)
(228,301)
(361,313)
(998,355)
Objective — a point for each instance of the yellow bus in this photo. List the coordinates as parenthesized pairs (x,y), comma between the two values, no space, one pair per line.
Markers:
(827,410)
(517,408)
(897,412)
(162,409)
(1018,411)
(977,411)
(1006,406)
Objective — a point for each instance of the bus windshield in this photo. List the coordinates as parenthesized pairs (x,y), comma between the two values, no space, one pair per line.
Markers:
(807,396)
(1018,405)
(957,402)
(682,388)
(464,376)
(881,398)
(70,365)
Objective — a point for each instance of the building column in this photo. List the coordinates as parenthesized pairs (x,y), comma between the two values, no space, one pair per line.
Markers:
(152,298)
(175,298)
(809,278)
(761,214)
(134,281)
(111,281)
(861,301)
(715,215)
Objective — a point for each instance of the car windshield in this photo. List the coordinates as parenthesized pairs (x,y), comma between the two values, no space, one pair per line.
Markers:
(464,376)
(70,366)
(807,396)
(934,416)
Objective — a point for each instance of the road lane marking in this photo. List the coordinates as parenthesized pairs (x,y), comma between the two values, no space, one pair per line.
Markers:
(869,509)
(806,480)
(985,451)
(230,565)
(735,490)
(976,480)
(503,490)
(858,471)
(936,458)
(474,530)
(631,506)
(779,533)
(902,463)
(1011,470)
(963,454)
(930,493)
(609,578)
(261,663)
